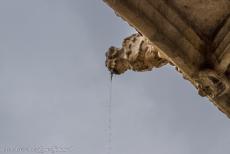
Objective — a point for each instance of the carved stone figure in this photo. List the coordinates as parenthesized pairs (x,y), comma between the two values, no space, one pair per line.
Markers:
(137,54)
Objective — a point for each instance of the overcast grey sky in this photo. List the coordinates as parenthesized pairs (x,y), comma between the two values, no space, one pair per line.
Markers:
(54,87)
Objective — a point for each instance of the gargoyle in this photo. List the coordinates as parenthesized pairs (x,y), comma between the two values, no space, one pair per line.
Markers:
(137,54)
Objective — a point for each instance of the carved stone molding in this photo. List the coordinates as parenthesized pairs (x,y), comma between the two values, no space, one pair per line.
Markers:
(192,35)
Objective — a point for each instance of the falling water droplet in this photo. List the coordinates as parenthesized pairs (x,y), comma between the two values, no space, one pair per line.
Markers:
(111,76)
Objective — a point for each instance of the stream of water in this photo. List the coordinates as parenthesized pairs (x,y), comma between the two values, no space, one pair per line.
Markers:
(110,115)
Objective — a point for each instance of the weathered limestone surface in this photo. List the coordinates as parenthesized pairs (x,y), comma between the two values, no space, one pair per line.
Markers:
(194,36)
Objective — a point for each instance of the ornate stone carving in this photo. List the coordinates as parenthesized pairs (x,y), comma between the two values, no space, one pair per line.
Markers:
(137,54)
(212,84)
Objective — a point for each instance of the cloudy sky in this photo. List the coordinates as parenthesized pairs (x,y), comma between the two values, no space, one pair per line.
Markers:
(54,88)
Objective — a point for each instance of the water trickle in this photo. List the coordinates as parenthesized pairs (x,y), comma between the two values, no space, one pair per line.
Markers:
(111,76)
(110,115)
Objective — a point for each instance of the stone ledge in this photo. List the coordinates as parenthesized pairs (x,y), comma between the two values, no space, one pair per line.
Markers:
(203,60)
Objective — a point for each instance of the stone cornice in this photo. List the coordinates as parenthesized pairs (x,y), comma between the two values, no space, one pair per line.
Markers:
(202,58)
